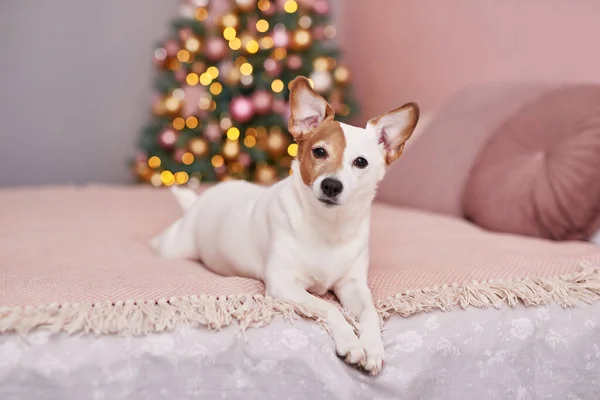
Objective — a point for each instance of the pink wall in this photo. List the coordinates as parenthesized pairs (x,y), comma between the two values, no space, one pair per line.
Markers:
(400,50)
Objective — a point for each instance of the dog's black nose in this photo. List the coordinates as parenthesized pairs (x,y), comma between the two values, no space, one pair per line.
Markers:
(331,187)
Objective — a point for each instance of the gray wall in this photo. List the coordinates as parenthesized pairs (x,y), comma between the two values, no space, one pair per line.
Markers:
(75,86)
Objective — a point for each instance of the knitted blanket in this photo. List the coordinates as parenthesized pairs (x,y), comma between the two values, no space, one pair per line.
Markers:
(76,259)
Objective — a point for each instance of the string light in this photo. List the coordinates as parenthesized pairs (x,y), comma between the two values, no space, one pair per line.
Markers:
(246,68)
(341,74)
(216,88)
(264,5)
(225,123)
(156,180)
(252,46)
(160,54)
(192,79)
(233,133)
(262,25)
(277,85)
(154,162)
(229,20)
(302,38)
(305,22)
(217,161)
(250,132)
(235,44)
(192,44)
(290,6)
(212,106)
(181,177)
(249,141)
(183,55)
(201,14)
(205,79)
(279,54)
(229,33)
(179,123)
(187,158)
(293,149)
(267,42)
(172,104)
(213,72)
(179,94)
(167,178)
(330,32)
(320,64)
(191,122)
(204,102)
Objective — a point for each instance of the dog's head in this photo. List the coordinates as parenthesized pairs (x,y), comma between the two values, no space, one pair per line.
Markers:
(338,162)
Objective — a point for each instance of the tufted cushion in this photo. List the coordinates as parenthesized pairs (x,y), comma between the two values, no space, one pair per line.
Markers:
(539,174)
(432,172)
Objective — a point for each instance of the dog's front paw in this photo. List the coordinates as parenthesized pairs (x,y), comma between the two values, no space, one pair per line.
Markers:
(375,355)
(350,349)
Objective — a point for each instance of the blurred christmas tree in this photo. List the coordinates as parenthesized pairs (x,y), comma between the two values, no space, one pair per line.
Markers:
(221,108)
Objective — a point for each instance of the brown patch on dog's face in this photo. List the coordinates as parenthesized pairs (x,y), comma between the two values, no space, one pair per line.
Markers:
(330,136)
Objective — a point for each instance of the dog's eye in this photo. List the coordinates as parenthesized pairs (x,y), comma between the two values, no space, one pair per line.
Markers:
(319,152)
(361,162)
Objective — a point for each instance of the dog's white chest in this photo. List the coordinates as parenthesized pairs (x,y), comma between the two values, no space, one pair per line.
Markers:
(324,267)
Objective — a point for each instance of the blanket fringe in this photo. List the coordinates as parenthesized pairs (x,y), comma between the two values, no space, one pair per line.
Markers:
(144,317)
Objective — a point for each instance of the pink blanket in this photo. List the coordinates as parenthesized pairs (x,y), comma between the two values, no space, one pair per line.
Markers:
(77,259)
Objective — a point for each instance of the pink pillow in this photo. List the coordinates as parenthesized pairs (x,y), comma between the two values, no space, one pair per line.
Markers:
(432,172)
(539,175)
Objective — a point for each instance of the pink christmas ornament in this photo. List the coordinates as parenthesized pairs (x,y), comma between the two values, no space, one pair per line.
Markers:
(321,7)
(294,61)
(280,36)
(241,109)
(172,47)
(212,132)
(191,99)
(272,67)
(215,49)
(262,101)
(167,138)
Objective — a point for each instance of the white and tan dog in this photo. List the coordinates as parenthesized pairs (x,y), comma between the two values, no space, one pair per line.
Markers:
(308,233)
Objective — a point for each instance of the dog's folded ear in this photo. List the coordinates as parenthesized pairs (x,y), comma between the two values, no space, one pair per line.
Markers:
(307,108)
(394,129)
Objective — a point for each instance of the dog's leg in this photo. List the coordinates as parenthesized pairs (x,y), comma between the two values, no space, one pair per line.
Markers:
(286,287)
(355,296)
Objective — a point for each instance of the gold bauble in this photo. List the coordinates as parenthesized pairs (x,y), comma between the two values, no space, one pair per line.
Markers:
(198,147)
(276,142)
(231,149)
(301,39)
(341,75)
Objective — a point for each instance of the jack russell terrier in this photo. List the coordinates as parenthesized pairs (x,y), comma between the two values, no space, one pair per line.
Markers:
(308,233)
